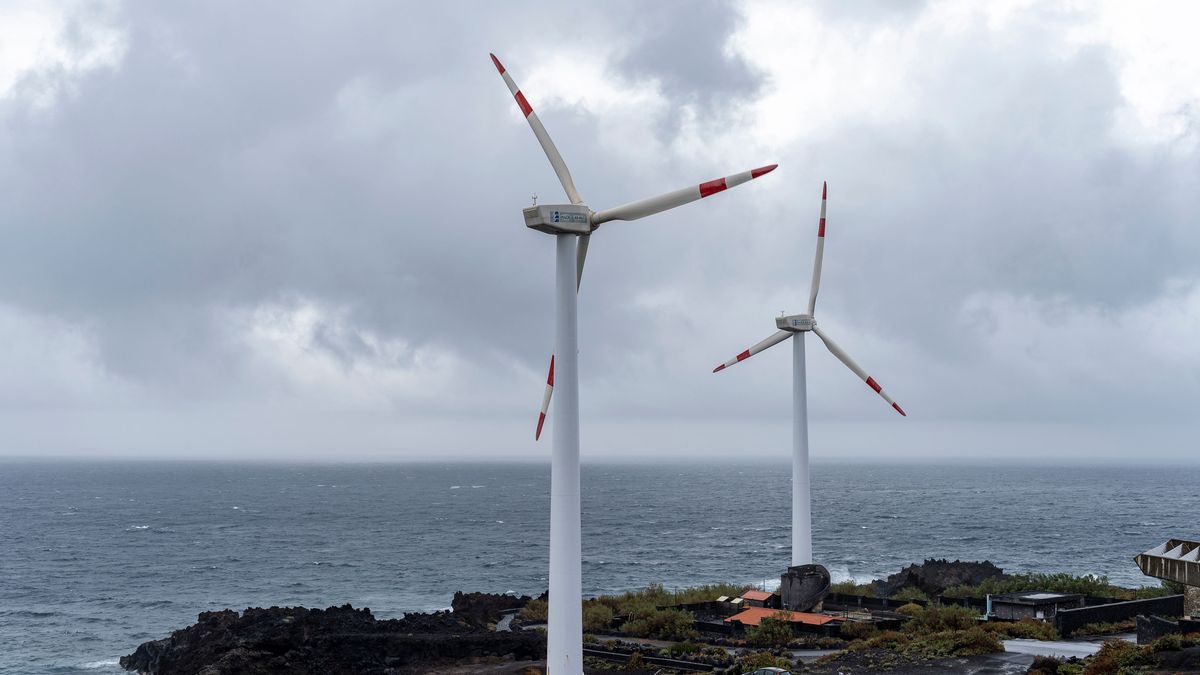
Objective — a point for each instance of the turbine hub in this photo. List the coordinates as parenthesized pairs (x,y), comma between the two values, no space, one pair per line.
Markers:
(796,323)
(559,218)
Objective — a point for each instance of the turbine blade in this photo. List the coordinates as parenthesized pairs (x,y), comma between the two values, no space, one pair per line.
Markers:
(581,249)
(545,400)
(862,374)
(653,205)
(775,339)
(816,277)
(556,160)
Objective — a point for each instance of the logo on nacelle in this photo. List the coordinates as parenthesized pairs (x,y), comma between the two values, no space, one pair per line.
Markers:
(556,216)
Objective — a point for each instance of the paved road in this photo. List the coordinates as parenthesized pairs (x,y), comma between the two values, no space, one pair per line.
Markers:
(1060,649)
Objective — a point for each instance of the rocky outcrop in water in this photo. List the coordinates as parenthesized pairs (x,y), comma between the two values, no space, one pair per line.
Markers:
(934,576)
(335,641)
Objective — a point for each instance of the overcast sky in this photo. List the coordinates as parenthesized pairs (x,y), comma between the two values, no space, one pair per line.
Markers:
(293,230)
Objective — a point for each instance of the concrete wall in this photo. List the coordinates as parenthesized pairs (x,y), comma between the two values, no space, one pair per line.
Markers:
(1069,620)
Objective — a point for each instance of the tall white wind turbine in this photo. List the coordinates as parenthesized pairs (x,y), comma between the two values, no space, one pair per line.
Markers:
(572,225)
(795,326)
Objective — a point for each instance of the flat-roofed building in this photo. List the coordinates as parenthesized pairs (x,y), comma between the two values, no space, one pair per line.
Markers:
(1031,604)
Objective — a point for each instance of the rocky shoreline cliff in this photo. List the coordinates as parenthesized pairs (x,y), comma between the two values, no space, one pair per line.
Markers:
(339,640)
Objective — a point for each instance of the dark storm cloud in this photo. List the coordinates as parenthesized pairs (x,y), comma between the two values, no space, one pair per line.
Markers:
(241,165)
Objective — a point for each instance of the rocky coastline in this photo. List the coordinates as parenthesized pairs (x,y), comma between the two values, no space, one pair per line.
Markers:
(261,641)
(477,635)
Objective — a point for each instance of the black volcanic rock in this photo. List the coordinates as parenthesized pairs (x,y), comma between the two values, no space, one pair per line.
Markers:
(335,641)
(484,608)
(934,576)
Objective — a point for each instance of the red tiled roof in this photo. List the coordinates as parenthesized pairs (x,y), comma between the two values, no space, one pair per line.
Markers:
(757,595)
(754,616)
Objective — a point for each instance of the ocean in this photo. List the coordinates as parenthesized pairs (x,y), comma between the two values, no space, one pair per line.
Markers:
(97,557)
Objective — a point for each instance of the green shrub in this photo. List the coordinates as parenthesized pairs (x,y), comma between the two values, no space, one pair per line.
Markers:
(664,624)
(1087,584)
(762,660)
(1030,629)
(535,610)
(851,588)
(970,642)
(597,618)
(770,633)
(935,619)
(1105,628)
(681,648)
(911,609)
(910,593)
(858,630)
(1167,643)
(1115,656)
(1044,665)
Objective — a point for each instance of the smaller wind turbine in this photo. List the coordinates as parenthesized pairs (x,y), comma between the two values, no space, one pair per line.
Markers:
(795,326)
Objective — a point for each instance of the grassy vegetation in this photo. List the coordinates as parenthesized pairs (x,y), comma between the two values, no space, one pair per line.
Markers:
(971,642)
(682,648)
(1119,656)
(640,608)
(858,630)
(910,594)
(852,588)
(534,611)
(937,619)
(1029,629)
(662,624)
(1088,584)
(597,618)
(933,632)
(762,660)
(1105,628)
(636,603)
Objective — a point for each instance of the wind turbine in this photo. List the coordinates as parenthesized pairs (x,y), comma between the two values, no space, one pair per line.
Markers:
(572,225)
(795,326)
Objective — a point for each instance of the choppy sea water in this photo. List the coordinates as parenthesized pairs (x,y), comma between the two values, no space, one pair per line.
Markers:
(96,558)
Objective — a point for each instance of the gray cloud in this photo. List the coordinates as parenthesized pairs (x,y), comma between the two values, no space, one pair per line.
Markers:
(314,210)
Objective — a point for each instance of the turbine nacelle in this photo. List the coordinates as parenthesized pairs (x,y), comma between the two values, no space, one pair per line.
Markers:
(796,323)
(559,218)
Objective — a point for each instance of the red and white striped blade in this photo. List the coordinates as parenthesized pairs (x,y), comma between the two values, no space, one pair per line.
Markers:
(545,400)
(862,374)
(556,160)
(653,205)
(816,276)
(765,344)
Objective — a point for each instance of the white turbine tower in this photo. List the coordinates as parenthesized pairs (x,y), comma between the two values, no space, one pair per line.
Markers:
(572,224)
(796,326)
